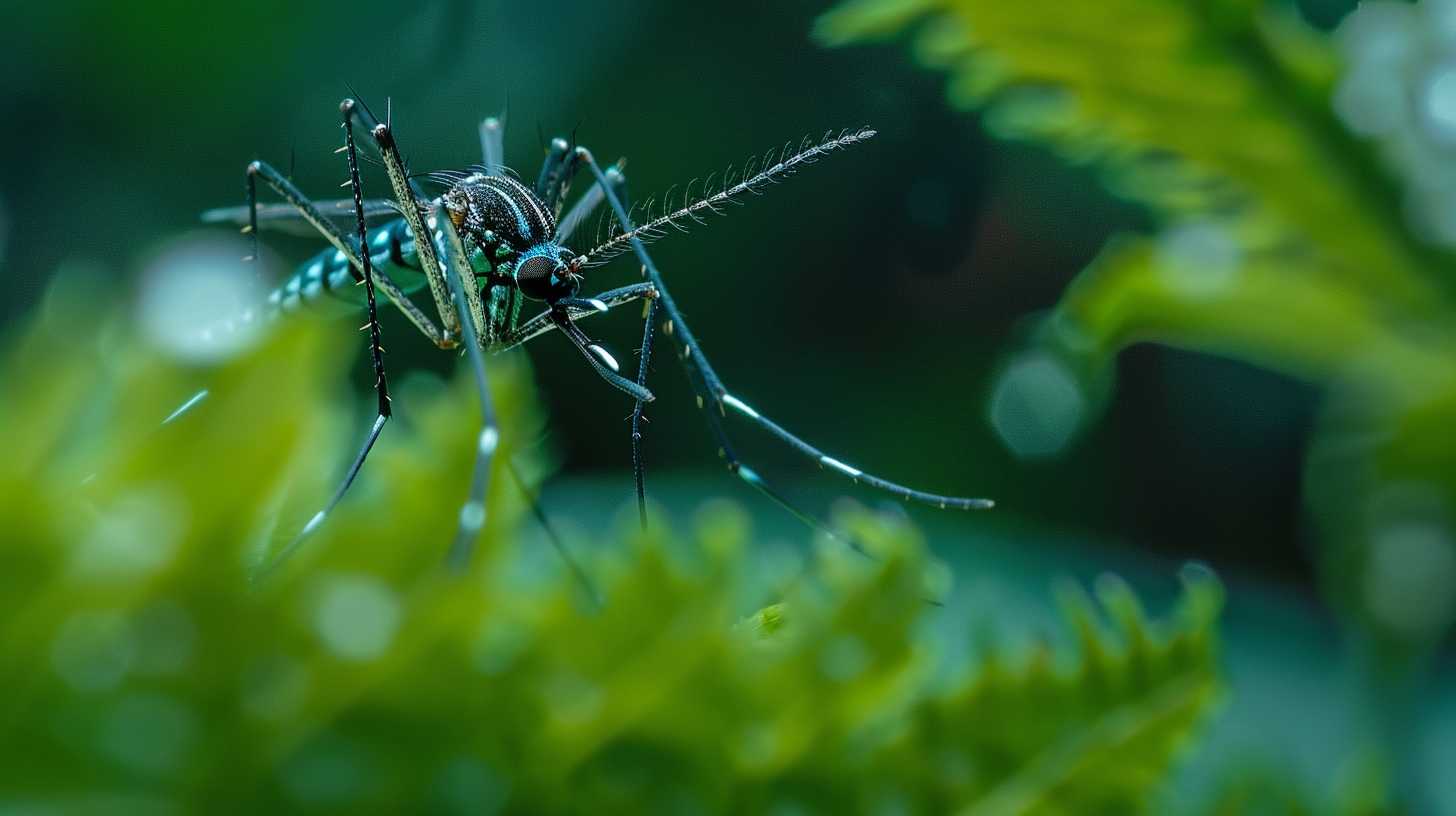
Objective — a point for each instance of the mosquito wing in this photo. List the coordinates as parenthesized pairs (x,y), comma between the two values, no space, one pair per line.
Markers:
(286,218)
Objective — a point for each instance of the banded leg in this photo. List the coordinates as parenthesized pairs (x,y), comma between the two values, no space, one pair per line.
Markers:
(710,387)
(644,359)
(618,183)
(310,213)
(381,382)
(472,513)
(603,363)
(409,205)
(610,299)
(589,201)
(556,543)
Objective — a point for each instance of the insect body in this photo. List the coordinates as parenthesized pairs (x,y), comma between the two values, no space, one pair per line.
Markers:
(488,244)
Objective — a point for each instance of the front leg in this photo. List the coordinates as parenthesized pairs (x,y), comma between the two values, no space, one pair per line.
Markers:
(425,235)
(597,357)
(381,382)
(586,307)
(712,394)
(346,249)
(473,512)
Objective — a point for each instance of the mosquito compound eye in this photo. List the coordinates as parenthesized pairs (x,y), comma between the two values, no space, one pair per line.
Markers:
(540,277)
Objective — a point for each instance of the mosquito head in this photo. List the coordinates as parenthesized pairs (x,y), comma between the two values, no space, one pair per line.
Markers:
(548,272)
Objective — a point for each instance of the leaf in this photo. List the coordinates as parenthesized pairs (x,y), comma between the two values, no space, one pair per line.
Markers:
(1100,736)
(1262,312)
(1280,241)
(1210,108)
(141,670)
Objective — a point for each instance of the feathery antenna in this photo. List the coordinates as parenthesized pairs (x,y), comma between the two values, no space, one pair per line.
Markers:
(770,168)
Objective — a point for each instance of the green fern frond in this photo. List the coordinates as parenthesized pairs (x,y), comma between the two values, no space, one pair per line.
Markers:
(1282,242)
(140,669)
(1200,108)
(1282,237)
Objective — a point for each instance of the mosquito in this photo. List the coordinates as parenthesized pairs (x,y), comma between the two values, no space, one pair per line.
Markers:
(487,245)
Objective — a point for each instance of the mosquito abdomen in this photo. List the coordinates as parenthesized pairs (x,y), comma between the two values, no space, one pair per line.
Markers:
(329,278)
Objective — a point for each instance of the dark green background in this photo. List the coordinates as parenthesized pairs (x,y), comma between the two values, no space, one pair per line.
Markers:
(866,303)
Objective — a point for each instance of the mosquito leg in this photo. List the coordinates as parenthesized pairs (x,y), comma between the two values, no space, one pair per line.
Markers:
(409,206)
(492,144)
(602,362)
(583,208)
(541,323)
(712,392)
(192,402)
(644,359)
(472,513)
(381,382)
(251,228)
(556,543)
(618,182)
(285,188)
(556,173)
(587,204)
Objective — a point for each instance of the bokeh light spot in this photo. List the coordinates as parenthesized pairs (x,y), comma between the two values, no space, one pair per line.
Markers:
(327,771)
(470,786)
(1438,100)
(149,733)
(93,651)
(1410,580)
(133,537)
(1036,406)
(165,637)
(1199,259)
(357,616)
(275,688)
(199,302)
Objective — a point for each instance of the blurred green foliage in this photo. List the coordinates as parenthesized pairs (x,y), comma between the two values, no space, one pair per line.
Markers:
(1280,241)
(1278,237)
(144,671)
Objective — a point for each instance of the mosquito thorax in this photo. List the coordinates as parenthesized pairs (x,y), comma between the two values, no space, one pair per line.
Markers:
(500,207)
